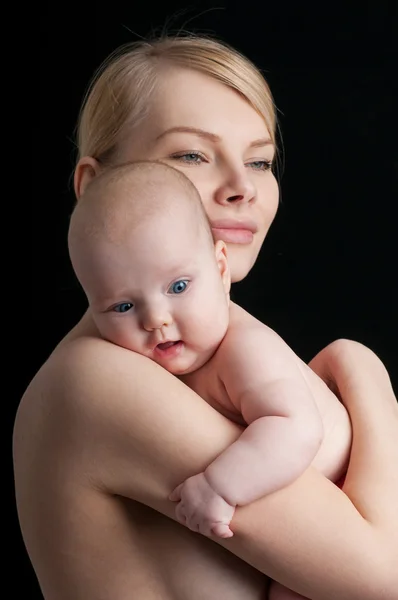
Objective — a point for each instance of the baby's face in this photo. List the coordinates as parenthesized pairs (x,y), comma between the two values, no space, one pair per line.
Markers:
(162,292)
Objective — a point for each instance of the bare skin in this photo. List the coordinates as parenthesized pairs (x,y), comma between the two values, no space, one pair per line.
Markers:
(293,420)
(87,540)
(123,549)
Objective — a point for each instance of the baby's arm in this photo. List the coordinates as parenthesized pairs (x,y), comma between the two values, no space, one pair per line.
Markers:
(284,433)
(285,430)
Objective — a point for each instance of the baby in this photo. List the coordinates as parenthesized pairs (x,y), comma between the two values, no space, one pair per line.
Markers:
(142,248)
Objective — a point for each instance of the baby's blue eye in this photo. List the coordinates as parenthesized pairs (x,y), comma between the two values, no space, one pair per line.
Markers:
(123,307)
(179,286)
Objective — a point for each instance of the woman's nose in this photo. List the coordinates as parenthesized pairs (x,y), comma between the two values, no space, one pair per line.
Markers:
(236,188)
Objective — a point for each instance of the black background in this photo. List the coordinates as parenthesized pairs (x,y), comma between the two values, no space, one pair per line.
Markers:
(328,268)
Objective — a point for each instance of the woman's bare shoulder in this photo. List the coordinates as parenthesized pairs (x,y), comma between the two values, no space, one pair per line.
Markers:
(114,409)
(78,383)
(81,376)
(81,357)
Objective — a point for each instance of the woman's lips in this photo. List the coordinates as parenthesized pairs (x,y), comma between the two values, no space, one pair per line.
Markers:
(234,231)
(233,236)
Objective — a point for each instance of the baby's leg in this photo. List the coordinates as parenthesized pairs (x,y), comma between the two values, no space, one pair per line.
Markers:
(278,591)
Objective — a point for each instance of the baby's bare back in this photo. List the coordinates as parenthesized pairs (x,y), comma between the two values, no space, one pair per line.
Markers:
(333,455)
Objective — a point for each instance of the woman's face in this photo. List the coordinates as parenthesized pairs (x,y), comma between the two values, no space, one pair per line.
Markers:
(211,134)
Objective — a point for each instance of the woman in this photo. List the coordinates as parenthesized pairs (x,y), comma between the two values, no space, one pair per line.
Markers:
(103,436)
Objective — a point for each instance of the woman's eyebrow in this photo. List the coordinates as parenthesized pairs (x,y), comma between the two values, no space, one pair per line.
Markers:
(199,132)
(261,142)
(211,136)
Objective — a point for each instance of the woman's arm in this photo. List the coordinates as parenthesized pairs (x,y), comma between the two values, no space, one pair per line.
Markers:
(362,383)
(142,432)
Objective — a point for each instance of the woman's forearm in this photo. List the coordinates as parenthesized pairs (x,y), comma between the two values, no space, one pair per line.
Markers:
(361,381)
(310,537)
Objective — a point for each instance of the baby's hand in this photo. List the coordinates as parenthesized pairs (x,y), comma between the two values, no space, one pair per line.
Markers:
(201,509)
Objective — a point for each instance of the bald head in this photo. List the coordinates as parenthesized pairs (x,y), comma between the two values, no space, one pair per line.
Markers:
(127,198)
(128,195)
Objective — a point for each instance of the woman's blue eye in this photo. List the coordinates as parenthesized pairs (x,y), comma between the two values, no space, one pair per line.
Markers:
(190,157)
(123,307)
(179,286)
(261,165)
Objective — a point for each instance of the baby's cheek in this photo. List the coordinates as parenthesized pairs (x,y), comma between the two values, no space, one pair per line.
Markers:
(203,316)
(130,339)
(120,331)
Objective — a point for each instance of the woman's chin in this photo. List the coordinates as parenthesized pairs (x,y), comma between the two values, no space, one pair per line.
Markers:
(241,260)
(239,269)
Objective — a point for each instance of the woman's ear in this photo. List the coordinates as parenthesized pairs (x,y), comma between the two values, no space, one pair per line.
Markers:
(220,250)
(86,169)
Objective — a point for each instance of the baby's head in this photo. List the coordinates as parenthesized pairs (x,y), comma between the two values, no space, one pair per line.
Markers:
(142,248)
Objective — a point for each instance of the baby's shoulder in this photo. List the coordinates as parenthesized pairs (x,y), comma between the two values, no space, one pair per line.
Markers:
(245,329)
(250,345)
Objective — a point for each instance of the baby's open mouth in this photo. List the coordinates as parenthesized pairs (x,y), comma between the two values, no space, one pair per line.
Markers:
(169,349)
(166,345)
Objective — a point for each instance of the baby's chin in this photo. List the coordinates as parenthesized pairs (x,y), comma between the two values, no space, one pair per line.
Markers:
(182,361)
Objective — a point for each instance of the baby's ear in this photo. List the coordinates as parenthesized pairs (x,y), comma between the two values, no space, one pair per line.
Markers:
(86,169)
(220,250)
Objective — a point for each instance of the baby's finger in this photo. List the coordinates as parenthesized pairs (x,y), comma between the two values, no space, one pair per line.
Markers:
(222,530)
(175,495)
(181,514)
(205,528)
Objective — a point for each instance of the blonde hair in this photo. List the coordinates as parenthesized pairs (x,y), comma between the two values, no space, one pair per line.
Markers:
(120,92)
